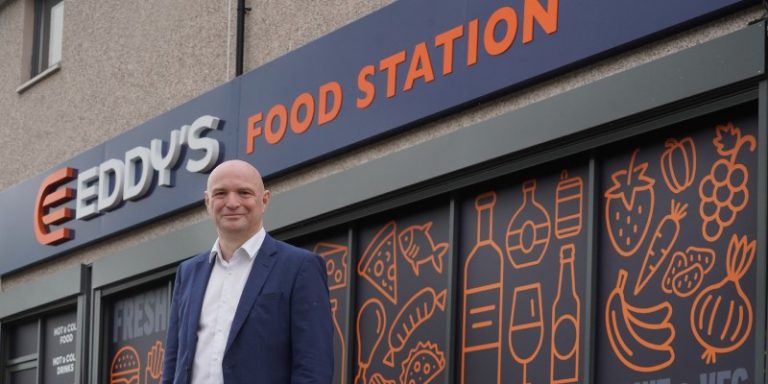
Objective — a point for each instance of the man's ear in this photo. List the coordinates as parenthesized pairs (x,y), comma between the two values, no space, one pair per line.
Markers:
(265,197)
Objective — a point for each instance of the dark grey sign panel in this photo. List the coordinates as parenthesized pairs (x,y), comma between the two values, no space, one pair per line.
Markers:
(401,321)
(136,336)
(60,359)
(523,264)
(677,254)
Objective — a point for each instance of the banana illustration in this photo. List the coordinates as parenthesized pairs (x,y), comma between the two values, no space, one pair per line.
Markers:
(640,337)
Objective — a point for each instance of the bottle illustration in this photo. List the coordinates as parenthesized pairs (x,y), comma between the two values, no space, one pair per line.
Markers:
(528,231)
(482,298)
(568,203)
(338,343)
(566,323)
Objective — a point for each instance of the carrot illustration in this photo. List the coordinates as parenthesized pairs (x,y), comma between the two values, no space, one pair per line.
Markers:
(661,244)
(416,312)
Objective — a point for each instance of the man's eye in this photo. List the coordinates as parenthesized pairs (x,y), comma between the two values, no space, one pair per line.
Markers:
(246,193)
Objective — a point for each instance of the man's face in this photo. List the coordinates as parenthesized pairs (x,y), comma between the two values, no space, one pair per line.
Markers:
(236,199)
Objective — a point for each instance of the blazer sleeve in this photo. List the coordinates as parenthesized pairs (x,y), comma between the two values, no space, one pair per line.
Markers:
(311,325)
(172,335)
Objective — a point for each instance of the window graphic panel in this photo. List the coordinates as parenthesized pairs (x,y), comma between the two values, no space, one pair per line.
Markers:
(401,322)
(522,281)
(335,251)
(60,359)
(676,254)
(137,328)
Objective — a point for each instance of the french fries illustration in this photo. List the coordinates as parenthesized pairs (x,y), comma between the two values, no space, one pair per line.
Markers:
(415,312)
(640,337)
(154,369)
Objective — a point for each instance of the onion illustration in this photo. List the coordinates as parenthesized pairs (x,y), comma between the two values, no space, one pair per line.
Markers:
(721,316)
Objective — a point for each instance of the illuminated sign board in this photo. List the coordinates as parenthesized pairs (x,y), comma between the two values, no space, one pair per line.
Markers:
(397,67)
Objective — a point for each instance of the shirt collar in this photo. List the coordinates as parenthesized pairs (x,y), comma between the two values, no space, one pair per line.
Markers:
(251,246)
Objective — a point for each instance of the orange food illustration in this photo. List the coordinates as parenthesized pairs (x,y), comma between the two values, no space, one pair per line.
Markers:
(372,312)
(662,241)
(686,271)
(526,325)
(482,299)
(566,323)
(721,315)
(379,262)
(724,191)
(335,257)
(568,206)
(629,207)
(703,256)
(419,309)
(342,357)
(418,248)
(678,164)
(125,367)
(528,230)
(424,362)
(687,281)
(154,369)
(640,337)
(377,378)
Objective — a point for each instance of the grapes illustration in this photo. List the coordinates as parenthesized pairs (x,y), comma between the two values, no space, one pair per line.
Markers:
(723,190)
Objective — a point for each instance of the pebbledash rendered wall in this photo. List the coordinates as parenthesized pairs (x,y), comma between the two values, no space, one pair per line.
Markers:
(578,177)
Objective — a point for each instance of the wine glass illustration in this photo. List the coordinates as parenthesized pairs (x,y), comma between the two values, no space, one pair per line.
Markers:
(526,325)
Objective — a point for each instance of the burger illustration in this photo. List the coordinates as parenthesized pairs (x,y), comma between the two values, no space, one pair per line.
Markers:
(125,367)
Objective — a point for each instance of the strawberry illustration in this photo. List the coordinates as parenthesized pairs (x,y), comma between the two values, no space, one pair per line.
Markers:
(629,206)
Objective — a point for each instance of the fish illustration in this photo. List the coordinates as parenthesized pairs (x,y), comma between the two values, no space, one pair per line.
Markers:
(418,248)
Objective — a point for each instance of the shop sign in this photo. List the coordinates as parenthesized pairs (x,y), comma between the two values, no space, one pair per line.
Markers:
(408,62)
(157,168)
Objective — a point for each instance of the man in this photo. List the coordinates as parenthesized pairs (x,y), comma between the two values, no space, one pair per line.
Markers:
(253,309)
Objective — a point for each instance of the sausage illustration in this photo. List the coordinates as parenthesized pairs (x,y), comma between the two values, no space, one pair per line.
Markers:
(416,312)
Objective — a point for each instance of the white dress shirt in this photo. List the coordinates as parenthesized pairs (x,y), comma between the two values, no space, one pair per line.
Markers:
(225,286)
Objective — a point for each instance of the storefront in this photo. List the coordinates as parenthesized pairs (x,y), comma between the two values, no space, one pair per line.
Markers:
(608,234)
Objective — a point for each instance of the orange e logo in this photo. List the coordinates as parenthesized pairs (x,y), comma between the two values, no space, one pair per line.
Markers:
(50,196)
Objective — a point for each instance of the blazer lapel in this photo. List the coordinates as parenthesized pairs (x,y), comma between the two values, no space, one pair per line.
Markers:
(265,260)
(200,276)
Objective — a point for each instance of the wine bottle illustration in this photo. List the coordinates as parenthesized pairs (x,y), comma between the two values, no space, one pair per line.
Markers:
(566,323)
(338,344)
(528,231)
(482,291)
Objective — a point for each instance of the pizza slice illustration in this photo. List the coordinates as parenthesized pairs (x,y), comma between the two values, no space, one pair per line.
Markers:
(379,262)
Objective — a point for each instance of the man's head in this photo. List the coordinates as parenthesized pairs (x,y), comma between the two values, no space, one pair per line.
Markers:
(236,199)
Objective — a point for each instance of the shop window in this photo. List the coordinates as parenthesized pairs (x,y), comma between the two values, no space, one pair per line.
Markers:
(135,334)
(41,349)
(49,26)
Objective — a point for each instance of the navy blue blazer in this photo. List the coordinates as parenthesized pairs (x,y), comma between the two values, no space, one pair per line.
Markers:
(282,331)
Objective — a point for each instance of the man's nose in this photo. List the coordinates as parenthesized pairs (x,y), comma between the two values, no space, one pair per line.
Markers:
(232,200)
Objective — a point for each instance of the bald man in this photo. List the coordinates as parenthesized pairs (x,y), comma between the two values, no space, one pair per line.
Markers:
(252,309)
